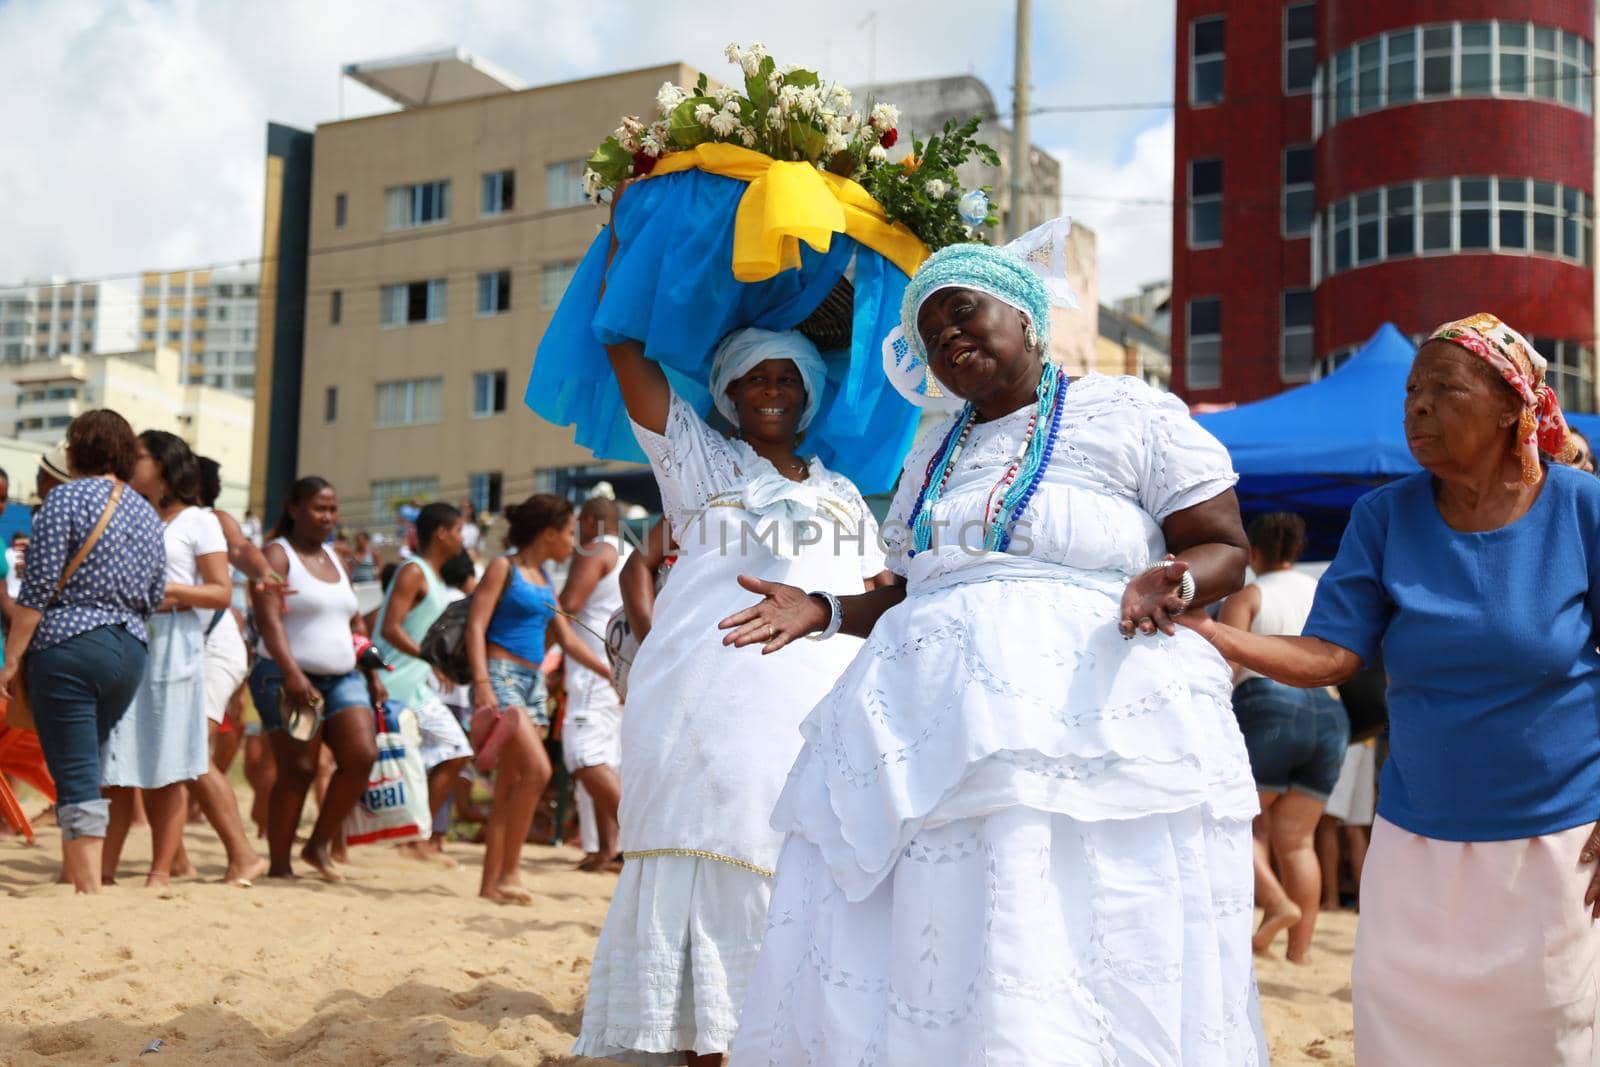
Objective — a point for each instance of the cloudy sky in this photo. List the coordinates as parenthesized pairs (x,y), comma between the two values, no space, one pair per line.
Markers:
(134,132)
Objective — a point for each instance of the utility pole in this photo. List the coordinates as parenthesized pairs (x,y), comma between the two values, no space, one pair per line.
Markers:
(1021,150)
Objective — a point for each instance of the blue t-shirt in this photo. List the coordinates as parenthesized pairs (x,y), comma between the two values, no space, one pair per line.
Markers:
(1489,642)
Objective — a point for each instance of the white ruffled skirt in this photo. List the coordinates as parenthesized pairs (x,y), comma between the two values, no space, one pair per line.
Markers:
(1014,838)
(674,960)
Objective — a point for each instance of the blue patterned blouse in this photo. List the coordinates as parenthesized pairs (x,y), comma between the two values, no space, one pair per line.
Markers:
(120,584)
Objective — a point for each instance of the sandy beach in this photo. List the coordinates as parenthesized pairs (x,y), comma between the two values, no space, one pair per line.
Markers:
(402,964)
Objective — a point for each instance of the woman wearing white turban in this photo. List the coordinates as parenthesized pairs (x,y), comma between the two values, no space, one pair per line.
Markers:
(710,732)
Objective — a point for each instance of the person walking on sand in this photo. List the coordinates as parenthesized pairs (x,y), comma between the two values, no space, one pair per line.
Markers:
(307,665)
(1296,739)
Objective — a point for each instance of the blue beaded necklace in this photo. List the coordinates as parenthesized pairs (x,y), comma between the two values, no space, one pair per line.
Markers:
(1015,487)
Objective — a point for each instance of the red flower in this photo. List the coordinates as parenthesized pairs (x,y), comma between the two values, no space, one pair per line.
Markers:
(889,138)
(643,164)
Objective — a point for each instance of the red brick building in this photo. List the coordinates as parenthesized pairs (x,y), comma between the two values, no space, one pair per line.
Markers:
(1343,163)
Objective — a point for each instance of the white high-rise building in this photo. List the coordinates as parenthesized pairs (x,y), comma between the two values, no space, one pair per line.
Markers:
(59,318)
(209,317)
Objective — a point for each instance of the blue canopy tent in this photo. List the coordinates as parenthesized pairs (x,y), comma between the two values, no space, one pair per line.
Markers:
(1315,449)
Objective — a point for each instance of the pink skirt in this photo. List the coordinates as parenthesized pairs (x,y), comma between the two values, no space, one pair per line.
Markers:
(1476,954)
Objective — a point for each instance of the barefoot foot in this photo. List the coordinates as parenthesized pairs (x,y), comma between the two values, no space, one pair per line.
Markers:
(318,857)
(500,896)
(246,873)
(1273,923)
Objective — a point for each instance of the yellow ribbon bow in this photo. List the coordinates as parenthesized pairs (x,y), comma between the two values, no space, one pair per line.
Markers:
(787,203)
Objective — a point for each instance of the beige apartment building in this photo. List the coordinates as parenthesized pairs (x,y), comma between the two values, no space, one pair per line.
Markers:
(440,239)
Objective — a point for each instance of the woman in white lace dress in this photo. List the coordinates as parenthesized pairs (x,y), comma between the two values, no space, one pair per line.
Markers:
(711,731)
(1019,830)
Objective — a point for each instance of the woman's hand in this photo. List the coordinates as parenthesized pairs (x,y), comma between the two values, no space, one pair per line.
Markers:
(483,698)
(1591,852)
(1152,602)
(298,688)
(1201,623)
(377,690)
(785,614)
(8,674)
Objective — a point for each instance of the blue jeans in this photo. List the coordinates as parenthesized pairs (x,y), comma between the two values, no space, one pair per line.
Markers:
(339,691)
(79,689)
(1296,737)
(516,686)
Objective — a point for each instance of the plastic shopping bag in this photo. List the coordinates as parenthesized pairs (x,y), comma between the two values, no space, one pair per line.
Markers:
(395,804)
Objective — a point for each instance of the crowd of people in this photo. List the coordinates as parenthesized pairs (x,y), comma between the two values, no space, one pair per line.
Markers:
(999,779)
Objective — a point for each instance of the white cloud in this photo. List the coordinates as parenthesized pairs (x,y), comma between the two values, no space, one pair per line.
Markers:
(1128,205)
(136,133)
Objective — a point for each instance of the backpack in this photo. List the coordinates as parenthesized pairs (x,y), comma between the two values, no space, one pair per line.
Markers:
(444,646)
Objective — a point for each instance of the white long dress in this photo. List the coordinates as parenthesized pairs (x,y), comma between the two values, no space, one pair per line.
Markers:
(1014,837)
(708,737)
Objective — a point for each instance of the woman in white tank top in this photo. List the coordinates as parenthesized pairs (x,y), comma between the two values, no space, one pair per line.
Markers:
(1296,738)
(307,654)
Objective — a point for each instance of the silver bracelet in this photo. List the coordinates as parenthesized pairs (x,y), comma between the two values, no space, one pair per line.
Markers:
(1186,588)
(835,617)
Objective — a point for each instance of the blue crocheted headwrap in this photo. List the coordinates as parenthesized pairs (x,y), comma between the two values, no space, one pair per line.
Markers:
(981,267)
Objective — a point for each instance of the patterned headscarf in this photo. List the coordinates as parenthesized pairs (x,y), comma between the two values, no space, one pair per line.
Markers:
(1541,426)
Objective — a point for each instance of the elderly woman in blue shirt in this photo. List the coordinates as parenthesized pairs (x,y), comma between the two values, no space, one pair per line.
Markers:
(1479,578)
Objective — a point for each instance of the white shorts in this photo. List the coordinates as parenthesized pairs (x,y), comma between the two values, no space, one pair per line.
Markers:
(227,663)
(442,736)
(592,736)
(1354,799)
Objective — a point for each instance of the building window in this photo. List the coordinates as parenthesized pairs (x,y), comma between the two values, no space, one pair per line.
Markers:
(484,491)
(423,204)
(555,279)
(1455,59)
(1498,215)
(335,307)
(390,494)
(1299,47)
(248,290)
(412,302)
(563,184)
(150,312)
(1296,349)
(1205,203)
(148,335)
(1571,372)
(408,403)
(499,192)
(330,404)
(12,352)
(340,206)
(494,292)
(1299,208)
(488,393)
(1204,361)
(1205,61)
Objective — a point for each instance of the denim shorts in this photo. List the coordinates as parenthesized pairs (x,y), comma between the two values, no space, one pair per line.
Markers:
(339,691)
(1296,737)
(516,686)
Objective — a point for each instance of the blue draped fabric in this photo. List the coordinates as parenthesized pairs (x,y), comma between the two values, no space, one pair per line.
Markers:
(671,287)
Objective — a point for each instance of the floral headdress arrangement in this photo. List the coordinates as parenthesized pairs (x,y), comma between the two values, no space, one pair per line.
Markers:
(792,116)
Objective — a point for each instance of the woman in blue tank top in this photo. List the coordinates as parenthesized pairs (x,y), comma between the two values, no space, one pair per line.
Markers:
(512,609)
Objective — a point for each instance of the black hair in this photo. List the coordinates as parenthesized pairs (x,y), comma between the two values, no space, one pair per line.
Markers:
(1279,536)
(179,468)
(386,576)
(457,571)
(534,516)
(210,481)
(299,493)
(433,518)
